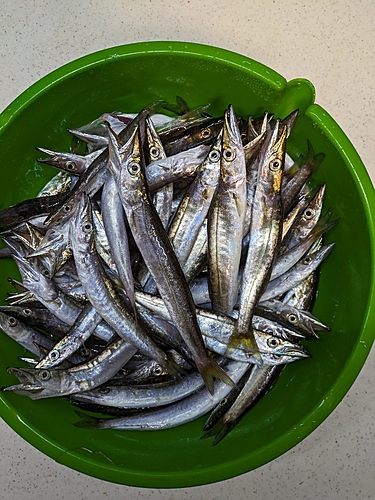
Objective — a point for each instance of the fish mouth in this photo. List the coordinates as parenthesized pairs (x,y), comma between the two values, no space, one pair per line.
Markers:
(26,270)
(297,351)
(28,383)
(49,161)
(45,248)
(231,133)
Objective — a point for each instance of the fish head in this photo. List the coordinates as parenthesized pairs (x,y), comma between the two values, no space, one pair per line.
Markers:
(132,176)
(202,133)
(148,370)
(312,260)
(69,162)
(312,212)
(289,121)
(154,149)
(51,247)
(64,161)
(210,167)
(64,213)
(252,147)
(7,321)
(35,279)
(17,246)
(82,225)
(232,164)
(216,150)
(280,347)
(231,135)
(35,383)
(28,234)
(272,157)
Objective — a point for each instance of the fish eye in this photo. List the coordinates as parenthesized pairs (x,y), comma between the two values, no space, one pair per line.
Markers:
(45,273)
(27,312)
(309,213)
(154,152)
(244,136)
(84,351)
(12,321)
(229,154)
(54,354)
(157,370)
(134,168)
(307,260)
(67,208)
(273,342)
(275,165)
(214,155)
(206,133)
(70,165)
(87,227)
(223,402)
(45,374)
(292,318)
(105,390)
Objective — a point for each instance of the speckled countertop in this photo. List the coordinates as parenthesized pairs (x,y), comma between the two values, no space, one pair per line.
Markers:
(332,44)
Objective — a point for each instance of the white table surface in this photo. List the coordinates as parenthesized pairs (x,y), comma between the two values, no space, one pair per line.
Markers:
(332,44)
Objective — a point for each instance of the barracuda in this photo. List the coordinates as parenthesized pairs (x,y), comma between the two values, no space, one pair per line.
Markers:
(208,215)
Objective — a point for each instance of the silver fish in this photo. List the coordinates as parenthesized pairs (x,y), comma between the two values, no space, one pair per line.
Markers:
(181,412)
(84,326)
(115,227)
(194,206)
(286,314)
(296,183)
(259,382)
(296,274)
(100,291)
(162,198)
(286,260)
(226,219)
(43,383)
(158,254)
(72,163)
(60,183)
(265,232)
(307,219)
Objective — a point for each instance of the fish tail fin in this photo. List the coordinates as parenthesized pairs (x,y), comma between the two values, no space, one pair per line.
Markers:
(314,160)
(211,370)
(87,421)
(219,431)
(245,342)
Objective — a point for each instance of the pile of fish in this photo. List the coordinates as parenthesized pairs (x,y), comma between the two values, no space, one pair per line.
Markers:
(168,269)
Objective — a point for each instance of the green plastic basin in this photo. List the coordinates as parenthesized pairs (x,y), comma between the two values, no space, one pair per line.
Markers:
(127,78)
